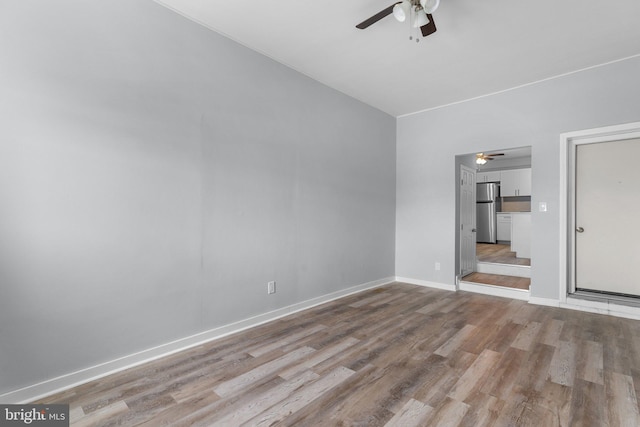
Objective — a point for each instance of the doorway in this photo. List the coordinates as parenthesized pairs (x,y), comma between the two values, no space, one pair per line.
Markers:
(603,201)
(496,267)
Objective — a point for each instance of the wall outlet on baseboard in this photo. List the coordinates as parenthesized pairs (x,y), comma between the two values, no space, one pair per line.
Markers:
(271,287)
(437,266)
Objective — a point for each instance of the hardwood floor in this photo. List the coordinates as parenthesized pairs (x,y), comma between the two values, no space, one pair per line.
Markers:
(499,253)
(400,355)
(499,280)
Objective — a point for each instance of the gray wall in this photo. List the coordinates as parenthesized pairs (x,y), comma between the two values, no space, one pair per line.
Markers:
(534,115)
(155,175)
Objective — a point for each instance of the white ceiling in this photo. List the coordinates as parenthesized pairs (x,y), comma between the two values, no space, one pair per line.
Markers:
(480,47)
(513,153)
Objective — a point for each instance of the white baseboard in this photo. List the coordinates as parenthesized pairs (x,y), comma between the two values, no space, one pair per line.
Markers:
(426,283)
(497,291)
(599,307)
(61,383)
(602,307)
(544,301)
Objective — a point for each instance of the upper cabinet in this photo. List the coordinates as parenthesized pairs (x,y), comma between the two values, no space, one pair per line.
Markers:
(515,182)
(491,176)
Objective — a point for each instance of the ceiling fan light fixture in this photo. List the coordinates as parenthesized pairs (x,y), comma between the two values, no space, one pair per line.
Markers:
(401,10)
(421,17)
(430,6)
(481,161)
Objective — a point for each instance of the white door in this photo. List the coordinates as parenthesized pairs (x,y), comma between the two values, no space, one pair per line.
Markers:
(467,220)
(607,208)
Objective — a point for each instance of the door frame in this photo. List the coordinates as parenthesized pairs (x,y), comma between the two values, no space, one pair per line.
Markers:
(568,143)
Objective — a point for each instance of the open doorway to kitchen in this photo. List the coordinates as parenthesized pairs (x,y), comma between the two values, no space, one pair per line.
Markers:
(502,222)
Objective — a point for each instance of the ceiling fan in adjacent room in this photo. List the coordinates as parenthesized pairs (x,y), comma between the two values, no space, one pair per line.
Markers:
(418,13)
(482,158)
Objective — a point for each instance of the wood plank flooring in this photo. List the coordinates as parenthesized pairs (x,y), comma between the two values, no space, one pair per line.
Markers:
(399,355)
(499,280)
(499,253)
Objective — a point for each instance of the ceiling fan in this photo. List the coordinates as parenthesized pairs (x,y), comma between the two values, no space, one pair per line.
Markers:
(418,11)
(482,158)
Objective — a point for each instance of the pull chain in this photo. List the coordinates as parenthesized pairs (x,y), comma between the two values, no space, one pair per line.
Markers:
(413,31)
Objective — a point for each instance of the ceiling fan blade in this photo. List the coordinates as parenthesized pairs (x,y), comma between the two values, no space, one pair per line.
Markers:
(430,28)
(496,154)
(375,18)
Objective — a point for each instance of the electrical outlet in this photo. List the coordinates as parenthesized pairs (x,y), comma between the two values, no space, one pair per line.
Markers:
(271,287)
(437,266)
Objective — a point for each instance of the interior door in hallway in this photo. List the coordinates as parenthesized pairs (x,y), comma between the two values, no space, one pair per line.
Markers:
(607,207)
(467,220)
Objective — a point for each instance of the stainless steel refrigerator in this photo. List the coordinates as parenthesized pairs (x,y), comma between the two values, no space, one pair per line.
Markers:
(486,208)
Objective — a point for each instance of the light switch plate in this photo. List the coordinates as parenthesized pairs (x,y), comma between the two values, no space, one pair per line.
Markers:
(542,206)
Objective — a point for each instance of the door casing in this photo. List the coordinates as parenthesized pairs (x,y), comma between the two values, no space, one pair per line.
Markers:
(568,143)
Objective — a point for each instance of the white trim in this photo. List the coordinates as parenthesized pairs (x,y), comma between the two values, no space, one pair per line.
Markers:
(496,291)
(549,302)
(602,307)
(426,283)
(590,306)
(563,204)
(568,141)
(518,87)
(63,382)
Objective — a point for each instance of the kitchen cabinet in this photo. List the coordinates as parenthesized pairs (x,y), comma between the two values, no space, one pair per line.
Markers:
(521,234)
(491,176)
(515,182)
(503,221)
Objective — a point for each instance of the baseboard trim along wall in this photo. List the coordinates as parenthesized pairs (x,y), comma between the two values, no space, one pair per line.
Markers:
(55,385)
(602,307)
(426,283)
(544,301)
(599,307)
